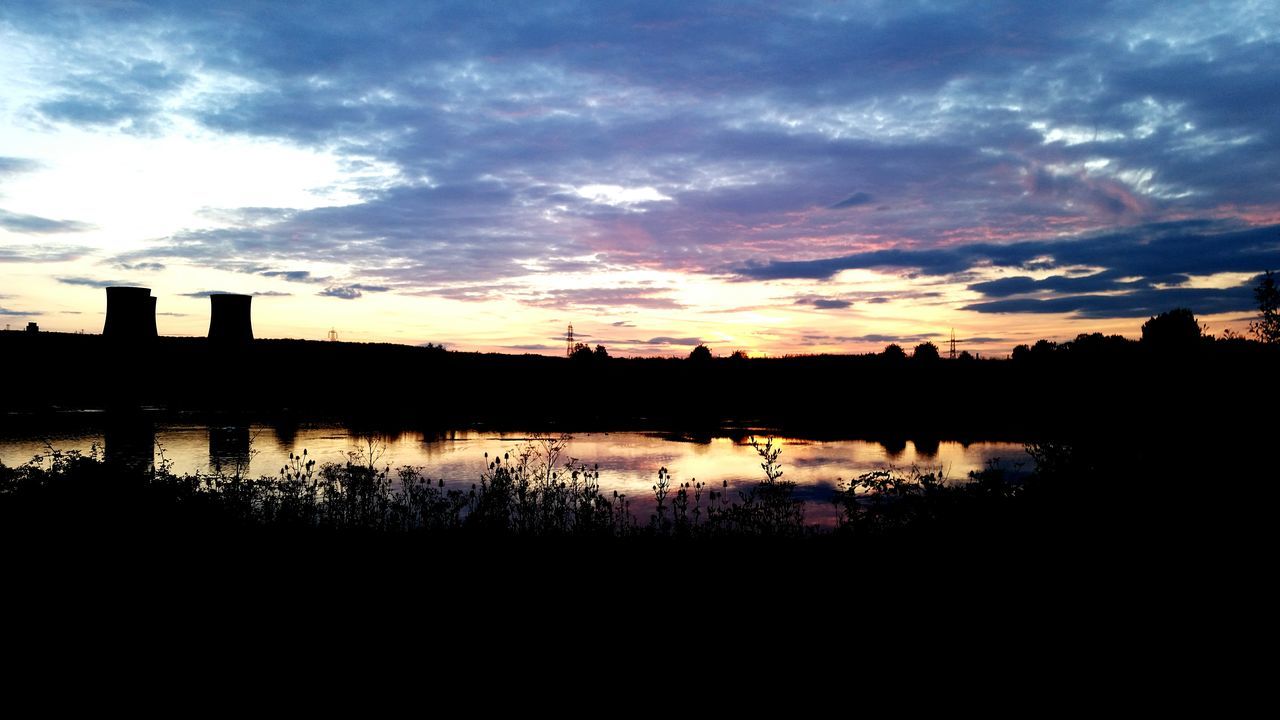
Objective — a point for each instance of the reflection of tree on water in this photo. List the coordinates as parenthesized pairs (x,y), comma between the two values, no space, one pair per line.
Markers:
(926,446)
(893,446)
(439,436)
(230,448)
(286,433)
(130,442)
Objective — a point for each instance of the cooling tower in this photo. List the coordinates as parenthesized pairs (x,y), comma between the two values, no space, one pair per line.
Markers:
(131,314)
(229,319)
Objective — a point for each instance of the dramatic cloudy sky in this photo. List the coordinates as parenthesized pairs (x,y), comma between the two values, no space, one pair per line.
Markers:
(774,177)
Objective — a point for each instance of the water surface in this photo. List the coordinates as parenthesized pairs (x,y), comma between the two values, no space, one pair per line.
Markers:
(628,462)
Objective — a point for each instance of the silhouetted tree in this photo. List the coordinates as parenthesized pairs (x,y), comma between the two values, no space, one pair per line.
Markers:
(601,353)
(925,351)
(1267,327)
(738,355)
(581,351)
(1097,344)
(701,353)
(894,351)
(1176,329)
(1044,348)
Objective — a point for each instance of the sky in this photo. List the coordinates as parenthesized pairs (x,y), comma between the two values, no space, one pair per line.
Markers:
(778,178)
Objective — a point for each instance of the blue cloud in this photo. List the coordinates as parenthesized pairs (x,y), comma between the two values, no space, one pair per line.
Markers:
(350,292)
(28,254)
(1159,250)
(292,275)
(663,340)
(1109,280)
(207,293)
(33,225)
(128,94)
(90,282)
(606,297)
(1142,303)
(822,303)
(854,200)
(14,165)
(342,293)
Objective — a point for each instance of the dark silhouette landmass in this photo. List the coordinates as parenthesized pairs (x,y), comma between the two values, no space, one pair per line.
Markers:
(1093,384)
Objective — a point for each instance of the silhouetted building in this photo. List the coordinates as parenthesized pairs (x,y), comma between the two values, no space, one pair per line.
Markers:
(229,321)
(33,328)
(131,314)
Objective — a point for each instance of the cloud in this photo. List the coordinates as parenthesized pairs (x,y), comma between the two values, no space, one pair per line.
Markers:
(651,298)
(464,293)
(1164,249)
(1143,303)
(573,136)
(350,292)
(663,340)
(15,165)
(125,93)
(207,293)
(822,303)
(90,282)
(34,225)
(724,142)
(854,200)
(28,254)
(1107,281)
(292,275)
(142,266)
(15,313)
(882,338)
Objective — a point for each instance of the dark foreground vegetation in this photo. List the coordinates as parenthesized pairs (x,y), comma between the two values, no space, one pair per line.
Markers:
(1157,446)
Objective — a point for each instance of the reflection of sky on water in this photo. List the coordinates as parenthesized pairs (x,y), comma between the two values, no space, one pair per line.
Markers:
(628,461)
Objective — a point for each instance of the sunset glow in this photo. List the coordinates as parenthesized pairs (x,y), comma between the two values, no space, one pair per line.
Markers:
(779,179)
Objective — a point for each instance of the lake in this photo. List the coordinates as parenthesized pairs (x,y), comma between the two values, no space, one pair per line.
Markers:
(628,461)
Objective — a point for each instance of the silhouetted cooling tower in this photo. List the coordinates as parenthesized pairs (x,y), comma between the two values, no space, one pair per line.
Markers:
(131,314)
(229,321)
